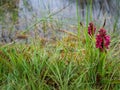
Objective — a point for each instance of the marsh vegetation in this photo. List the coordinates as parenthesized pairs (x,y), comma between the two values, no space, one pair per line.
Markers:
(59,45)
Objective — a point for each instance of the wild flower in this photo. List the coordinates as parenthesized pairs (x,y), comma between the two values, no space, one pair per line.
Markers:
(102,40)
(91,29)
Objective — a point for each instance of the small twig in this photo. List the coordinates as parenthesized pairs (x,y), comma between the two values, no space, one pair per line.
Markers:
(81,24)
(9,44)
(70,33)
(104,23)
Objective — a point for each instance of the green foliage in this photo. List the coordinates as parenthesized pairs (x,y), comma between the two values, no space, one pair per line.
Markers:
(72,63)
(36,67)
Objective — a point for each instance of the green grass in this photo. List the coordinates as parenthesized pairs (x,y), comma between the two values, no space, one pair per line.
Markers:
(71,63)
(66,65)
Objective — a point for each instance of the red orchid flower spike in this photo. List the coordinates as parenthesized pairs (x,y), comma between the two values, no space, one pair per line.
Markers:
(102,40)
(91,29)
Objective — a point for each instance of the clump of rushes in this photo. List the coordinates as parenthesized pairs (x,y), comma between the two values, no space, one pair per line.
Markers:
(91,29)
(102,40)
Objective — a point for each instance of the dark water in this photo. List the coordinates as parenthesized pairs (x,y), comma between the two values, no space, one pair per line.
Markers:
(27,14)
